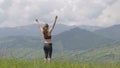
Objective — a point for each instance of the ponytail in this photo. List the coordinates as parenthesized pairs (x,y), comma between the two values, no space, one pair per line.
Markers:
(45,30)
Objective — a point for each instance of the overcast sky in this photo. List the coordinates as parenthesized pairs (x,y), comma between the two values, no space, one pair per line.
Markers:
(70,12)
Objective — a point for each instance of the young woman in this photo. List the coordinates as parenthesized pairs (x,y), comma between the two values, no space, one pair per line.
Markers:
(47,39)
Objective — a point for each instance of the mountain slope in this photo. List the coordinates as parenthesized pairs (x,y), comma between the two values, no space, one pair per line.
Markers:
(80,39)
(112,32)
(20,46)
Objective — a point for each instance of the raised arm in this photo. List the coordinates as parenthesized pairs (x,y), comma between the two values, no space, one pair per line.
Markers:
(38,23)
(53,24)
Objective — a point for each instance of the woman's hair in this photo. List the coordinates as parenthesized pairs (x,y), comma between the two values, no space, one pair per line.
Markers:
(45,30)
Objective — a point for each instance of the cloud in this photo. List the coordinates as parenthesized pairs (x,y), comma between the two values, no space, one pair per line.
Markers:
(71,12)
(110,15)
(24,12)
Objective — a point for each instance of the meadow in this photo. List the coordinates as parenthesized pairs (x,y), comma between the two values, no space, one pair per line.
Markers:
(54,64)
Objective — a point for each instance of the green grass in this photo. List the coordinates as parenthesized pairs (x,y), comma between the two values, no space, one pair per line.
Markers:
(54,64)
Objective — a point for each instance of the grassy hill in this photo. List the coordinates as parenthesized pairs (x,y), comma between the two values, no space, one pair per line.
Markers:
(109,53)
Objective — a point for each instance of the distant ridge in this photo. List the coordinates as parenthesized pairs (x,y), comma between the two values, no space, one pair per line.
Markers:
(33,30)
(30,30)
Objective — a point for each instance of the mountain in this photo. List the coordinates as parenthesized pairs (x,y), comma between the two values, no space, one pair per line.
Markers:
(112,32)
(80,39)
(73,39)
(75,44)
(30,30)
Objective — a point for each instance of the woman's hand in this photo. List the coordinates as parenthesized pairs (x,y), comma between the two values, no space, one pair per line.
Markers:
(38,23)
(36,20)
(56,17)
(53,24)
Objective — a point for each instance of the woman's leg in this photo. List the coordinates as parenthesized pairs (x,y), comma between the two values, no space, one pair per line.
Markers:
(46,52)
(50,52)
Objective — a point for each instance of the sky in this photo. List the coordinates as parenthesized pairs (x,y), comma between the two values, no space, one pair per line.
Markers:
(70,12)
